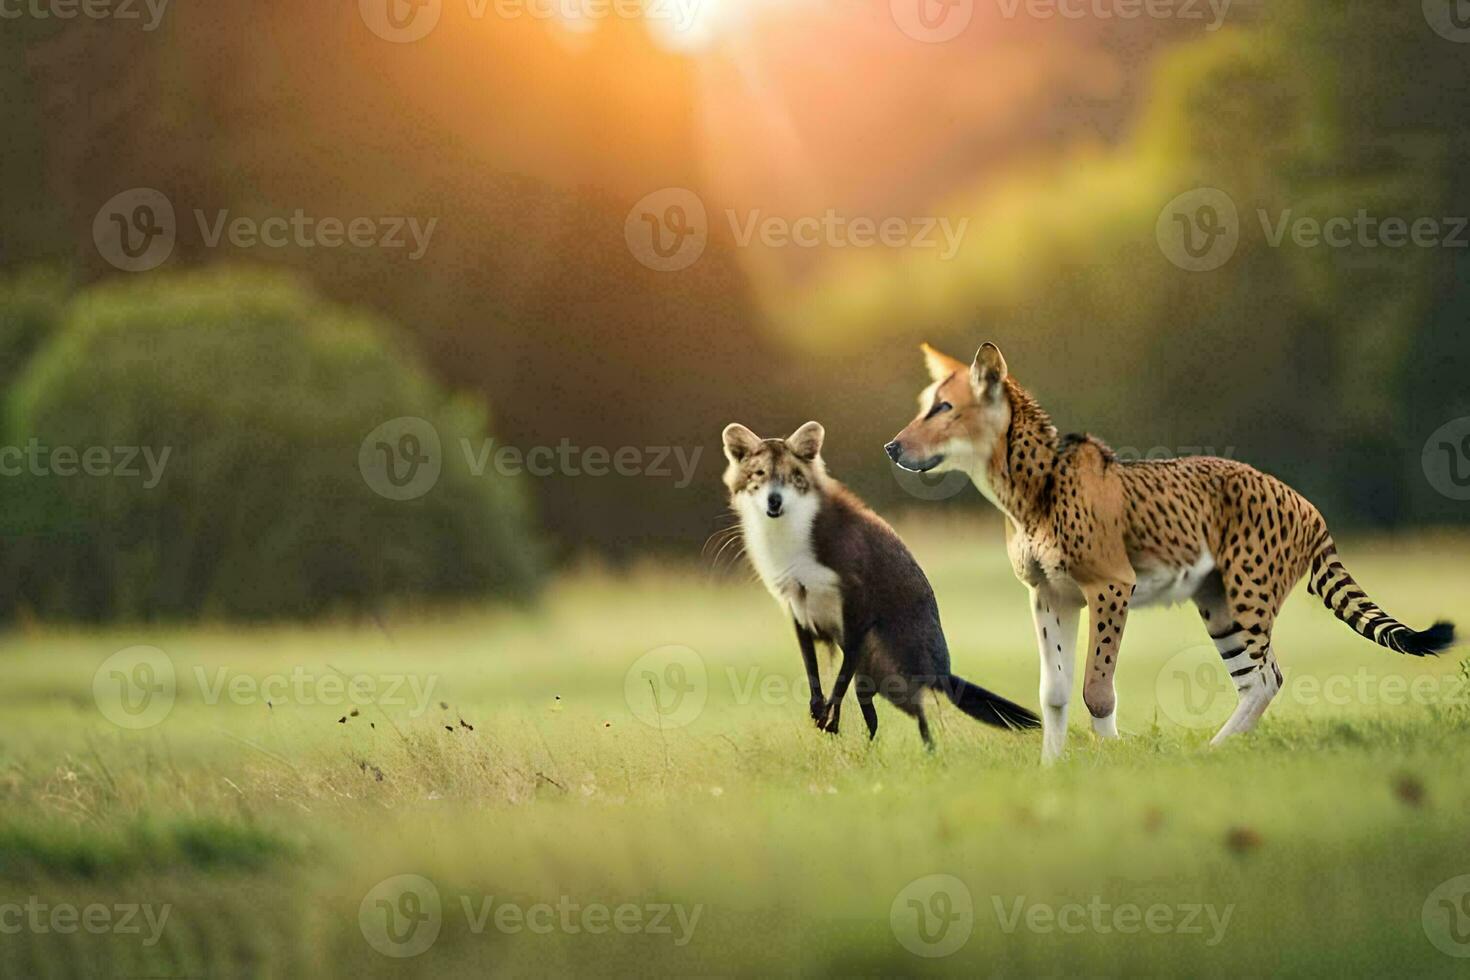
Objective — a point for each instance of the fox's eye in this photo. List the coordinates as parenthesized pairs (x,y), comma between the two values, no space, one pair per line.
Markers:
(938,407)
(760,474)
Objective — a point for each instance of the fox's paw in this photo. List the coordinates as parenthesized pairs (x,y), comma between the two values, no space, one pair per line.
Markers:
(818,708)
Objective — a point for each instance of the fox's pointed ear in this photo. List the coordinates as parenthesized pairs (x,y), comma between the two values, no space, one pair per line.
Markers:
(806,442)
(940,365)
(988,370)
(739,442)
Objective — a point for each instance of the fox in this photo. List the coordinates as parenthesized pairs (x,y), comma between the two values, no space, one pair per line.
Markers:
(1086,530)
(847,581)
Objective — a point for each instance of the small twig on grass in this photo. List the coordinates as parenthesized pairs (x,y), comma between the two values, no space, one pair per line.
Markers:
(87,812)
(263,751)
(545,745)
(92,745)
(653,693)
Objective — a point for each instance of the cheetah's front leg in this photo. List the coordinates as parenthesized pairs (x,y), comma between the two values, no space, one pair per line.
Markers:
(1107,603)
(1056,640)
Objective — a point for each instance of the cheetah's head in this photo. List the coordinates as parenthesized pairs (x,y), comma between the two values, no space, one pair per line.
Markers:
(963,414)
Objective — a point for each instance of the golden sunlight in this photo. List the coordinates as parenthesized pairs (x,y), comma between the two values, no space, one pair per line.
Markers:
(691,26)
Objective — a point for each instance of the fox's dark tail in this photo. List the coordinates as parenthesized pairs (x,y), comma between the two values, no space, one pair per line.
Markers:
(1350,604)
(983,706)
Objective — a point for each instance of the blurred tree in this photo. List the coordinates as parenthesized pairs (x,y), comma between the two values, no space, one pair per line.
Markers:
(1060,141)
(34,224)
(239,400)
(31,306)
(1328,366)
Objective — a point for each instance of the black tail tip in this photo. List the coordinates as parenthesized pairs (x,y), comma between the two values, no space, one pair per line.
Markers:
(1431,642)
(1015,717)
(987,707)
(1026,721)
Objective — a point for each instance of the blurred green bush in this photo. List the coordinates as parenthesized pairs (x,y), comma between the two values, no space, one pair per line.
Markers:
(224,412)
(31,306)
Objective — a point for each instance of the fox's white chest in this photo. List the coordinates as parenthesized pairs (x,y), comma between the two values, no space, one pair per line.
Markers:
(781,551)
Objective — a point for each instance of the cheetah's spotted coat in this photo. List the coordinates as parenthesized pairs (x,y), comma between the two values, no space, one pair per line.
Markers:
(1086,530)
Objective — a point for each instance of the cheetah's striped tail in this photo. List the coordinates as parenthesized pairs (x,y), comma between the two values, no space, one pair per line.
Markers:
(1330,580)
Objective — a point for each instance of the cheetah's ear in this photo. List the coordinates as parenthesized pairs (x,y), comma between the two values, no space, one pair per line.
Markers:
(739,442)
(988,370)
(940,365)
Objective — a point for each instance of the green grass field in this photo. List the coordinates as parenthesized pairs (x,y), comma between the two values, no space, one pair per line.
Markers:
(563,833)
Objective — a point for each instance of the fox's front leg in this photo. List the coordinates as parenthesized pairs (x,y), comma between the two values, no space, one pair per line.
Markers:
(1056,639)
(833,714)
(818,704)
(1107,603)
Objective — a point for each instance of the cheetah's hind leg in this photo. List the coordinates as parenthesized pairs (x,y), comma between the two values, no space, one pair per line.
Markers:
(1243,639)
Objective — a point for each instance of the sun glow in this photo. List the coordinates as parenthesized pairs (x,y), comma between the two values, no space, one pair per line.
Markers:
(690,26)
(679,26)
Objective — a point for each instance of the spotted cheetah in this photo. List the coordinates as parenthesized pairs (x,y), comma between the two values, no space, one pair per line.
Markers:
(1087,530)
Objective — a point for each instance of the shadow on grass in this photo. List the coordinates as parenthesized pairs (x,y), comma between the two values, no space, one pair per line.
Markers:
(51,852)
